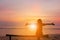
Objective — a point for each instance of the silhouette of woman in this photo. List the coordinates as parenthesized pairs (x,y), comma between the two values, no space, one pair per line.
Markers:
(39,32)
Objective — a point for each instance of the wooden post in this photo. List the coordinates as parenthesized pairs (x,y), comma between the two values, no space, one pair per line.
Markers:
(9,36)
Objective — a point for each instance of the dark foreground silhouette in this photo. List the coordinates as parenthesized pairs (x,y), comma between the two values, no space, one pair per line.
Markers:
(27,37)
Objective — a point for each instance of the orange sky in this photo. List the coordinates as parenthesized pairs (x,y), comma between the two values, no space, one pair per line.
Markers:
(23,11)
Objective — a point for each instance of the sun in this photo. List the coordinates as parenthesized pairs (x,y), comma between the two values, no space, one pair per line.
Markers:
(32,27)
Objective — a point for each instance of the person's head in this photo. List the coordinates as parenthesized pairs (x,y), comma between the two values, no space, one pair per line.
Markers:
(39,21)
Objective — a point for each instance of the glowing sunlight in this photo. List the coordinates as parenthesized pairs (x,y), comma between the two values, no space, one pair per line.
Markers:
(32,27)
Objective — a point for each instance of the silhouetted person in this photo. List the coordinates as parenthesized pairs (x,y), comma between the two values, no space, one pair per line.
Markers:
(39,32)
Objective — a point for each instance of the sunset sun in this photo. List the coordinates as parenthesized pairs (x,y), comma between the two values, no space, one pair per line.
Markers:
(32,27)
